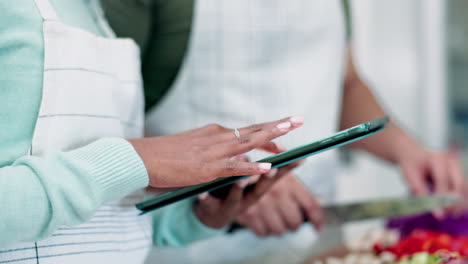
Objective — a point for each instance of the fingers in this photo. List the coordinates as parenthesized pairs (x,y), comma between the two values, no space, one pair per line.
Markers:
(254,179)
(296,121)
(456,175)
(415,180)
(272,219)
(311,208)
(246,143)
(262,186)
(228,168)
(250,218)
(290,212)
(439,174)
(266,181)
(208,203)
(244,133)
(273,147)
(234,199)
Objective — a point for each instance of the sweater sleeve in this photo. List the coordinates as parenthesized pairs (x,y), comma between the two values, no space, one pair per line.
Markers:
(39,194)
(176,225)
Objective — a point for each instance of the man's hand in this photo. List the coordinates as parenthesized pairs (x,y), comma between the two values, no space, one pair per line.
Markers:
(439,169)
(283,208)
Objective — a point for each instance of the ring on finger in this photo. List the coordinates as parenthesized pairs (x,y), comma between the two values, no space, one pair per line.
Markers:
(237,133)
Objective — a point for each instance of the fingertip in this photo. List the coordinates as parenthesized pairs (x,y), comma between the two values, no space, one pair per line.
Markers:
(284,127)
(203,196)
(297,120)
(272,173)
(280,147)
(243,183)
(254,179)
(264,167)
(419,192)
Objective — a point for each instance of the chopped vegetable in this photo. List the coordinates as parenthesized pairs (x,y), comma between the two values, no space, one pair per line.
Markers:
(426,241)
(454,225)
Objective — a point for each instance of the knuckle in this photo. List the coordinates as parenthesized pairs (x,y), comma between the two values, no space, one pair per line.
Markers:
(276,193)
(231,165)
(312,210)
(233,203)
(250,215)
(210,126)
(199,149)
(277,231)
(245,140)
(215,127)
(236,168)
(259,233)
(257,194)
(255,128)
(251,167)
(296,224)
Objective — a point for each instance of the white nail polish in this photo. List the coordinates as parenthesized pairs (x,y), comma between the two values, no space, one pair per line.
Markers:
(203,196)
(283,126)
(297,119)
(264,166)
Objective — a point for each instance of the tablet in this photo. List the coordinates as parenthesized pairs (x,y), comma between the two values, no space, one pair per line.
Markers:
(278,160)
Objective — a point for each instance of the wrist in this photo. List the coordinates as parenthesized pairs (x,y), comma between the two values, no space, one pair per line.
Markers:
(140,150)
(406,149)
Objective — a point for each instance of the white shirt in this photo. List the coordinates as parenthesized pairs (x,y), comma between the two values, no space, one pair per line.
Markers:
(251,61)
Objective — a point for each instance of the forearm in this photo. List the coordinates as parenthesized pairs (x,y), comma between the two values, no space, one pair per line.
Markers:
(360,105)
(40,194)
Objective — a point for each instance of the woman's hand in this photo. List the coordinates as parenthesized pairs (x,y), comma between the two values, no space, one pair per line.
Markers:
(204,154)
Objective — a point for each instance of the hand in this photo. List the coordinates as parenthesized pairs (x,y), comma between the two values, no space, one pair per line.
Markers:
(204,154)
(282,209)
(442,170)
(216,213)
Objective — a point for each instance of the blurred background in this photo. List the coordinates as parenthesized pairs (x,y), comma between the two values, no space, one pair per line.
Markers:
(415,56)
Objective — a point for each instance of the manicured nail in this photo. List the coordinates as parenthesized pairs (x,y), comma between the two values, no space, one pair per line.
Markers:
(297,120)
(264,166)
(271,173)
(280,147)
(243,183)
(203,196)
(283,126)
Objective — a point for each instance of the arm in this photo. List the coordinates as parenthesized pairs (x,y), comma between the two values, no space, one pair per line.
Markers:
(358,106)
(39,194)
(419,165)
